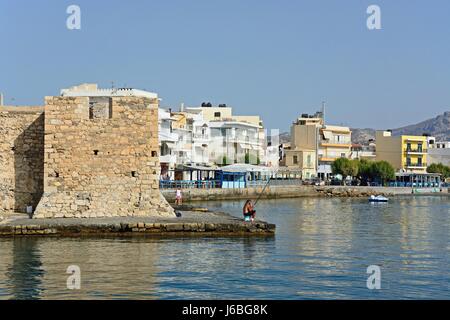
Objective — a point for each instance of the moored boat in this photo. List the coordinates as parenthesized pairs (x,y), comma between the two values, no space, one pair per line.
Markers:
(378,198)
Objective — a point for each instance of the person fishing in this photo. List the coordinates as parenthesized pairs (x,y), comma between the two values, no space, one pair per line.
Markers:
(249,211)
(249,207)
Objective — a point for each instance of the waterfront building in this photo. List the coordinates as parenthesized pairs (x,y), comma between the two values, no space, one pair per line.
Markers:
(167,142)
(235,142)
(184,140)
(405,153)
(303,150)
(232,138)
(335,142)
(315,145)
(439,152)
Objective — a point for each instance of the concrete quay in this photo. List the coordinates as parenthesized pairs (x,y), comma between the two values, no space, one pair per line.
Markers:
(195,222)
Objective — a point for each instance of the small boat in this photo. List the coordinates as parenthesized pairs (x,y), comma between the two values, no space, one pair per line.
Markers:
(378,199)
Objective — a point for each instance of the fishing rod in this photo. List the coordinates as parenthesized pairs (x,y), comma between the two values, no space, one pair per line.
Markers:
(261,193)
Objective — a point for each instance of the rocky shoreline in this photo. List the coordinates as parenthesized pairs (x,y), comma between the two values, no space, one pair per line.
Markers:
(191,223)
(364,192)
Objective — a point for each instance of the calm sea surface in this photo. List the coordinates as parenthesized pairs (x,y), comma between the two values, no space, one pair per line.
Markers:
(321,250)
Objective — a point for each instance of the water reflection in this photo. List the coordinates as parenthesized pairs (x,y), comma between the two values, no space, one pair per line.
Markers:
(321,250)
(26,271)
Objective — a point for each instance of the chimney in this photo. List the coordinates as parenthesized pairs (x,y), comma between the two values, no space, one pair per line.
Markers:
(182,107)
(1,99)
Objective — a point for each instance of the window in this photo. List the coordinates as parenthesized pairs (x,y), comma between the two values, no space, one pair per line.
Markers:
(217,114)
(308,160)
(342,155)
(295,160)
(100,108)
(408,147)
(408,161)
(419,162)
(419,147)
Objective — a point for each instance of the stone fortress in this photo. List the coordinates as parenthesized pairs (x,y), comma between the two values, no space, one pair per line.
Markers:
(87,153)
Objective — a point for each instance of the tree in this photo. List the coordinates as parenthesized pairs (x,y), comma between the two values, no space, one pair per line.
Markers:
(345,167)
(439,168)
(365,170)
(247,158)
(383,171)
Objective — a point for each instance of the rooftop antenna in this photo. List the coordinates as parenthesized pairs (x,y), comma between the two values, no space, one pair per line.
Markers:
(323,111)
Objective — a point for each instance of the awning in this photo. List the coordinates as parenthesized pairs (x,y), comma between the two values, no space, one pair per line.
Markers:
(328,135)
(245,146)
(241,167)
(169,144)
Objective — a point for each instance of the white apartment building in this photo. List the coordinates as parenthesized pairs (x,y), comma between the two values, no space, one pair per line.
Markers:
(233,138)
(208,137)
(167,142)
(235,142)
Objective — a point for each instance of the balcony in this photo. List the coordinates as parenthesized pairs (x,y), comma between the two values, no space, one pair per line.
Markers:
(415,151)
(415,165)
(335,143)
(169,158)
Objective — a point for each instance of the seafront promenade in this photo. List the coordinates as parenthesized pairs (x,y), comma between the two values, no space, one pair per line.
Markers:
(296,191)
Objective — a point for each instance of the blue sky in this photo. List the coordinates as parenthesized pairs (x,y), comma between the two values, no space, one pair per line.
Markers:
(274,58)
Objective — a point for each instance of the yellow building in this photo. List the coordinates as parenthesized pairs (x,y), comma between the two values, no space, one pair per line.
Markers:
(404,153)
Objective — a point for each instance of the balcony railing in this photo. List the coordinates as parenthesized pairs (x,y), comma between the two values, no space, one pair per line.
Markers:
(416,165)
(411,150)
(335,142)
(201,136)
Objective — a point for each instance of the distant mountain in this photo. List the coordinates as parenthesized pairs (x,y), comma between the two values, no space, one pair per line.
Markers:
(362,135)
(438,127)
(285,137)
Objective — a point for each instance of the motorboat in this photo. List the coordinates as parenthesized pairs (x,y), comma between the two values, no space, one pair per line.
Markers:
(378,198)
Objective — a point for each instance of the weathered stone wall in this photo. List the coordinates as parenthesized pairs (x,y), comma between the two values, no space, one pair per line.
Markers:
(21,157)
(100,164)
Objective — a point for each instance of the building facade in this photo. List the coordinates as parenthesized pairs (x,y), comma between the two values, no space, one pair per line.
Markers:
(315,145)
(98,156)
(303,151)
(335,142)
(221,138)
(439,152)
(404,153)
